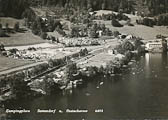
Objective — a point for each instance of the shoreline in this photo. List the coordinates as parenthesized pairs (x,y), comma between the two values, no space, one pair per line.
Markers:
(112,65)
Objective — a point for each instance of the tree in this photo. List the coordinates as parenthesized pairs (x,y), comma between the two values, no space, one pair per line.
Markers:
(164,44)
(16,27)
(49,84)
(148,22)
(71,69)
(93,33)
(43,35)
(103,6)
(2,33)
(2,48)
(116,33)
(13,8)
(0,26)
(19,87)
(128,46)
(115,23)
(7,27)
(75,32)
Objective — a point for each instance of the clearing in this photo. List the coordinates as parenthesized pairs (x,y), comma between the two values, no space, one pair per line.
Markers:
(142,31)
(8,63)
(19,39)
(24,38)
(11,21)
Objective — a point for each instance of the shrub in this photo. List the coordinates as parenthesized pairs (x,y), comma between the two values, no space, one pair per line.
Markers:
(116,33)
(19,87)
(7,27)
(122,17)
(43,35)
(162,19)
(2,47)
(128,46)
(0,26)
(130,24)
(2,33)
(16,27)
(71,69)
(115,23)
(148,22)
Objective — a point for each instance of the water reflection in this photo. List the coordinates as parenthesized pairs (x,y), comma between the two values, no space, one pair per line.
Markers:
(140,92)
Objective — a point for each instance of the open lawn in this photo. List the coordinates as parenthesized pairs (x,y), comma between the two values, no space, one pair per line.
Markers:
(17,39)
(11,21)
(9,63)
(98,60)
(142,31)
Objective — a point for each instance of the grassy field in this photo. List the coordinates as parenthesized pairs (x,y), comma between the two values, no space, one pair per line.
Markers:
(11,21)
(25,38)
(142,31)
(8,63)
(17,39)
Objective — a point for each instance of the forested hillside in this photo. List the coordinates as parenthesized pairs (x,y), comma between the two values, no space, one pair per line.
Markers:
(155,7)
(126,5)
(15,8)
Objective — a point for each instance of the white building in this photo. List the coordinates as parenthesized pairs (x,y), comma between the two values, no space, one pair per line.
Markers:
(154,46)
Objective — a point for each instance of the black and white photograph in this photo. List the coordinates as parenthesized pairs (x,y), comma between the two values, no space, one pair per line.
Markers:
(83,60)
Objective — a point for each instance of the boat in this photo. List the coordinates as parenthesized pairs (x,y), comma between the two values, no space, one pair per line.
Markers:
(101,83)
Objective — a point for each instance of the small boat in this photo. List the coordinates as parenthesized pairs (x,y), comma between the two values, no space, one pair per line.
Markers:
(101,83)
(112,75)
(87,94)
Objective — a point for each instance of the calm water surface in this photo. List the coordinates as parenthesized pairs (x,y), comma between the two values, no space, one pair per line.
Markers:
(140,92)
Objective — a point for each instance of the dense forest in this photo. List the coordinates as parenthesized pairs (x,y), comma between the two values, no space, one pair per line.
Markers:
(15,8)
(126,5)
(156,7)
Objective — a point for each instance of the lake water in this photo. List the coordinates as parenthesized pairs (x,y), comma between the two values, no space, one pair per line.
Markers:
(140,92)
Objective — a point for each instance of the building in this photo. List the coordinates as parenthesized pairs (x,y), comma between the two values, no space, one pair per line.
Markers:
(156,46)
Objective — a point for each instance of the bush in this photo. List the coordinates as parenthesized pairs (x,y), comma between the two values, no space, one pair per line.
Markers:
(148,22)
(71,69)
(19,87)
(2,48)
(122,17)
(115,23)
(116,33)
(0,26)
(93,34)
(124,47)
(162,19)
(128,46)
(130,24)
(60,31)
(43,35)
(16,27)
(7,27)
(2,33)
